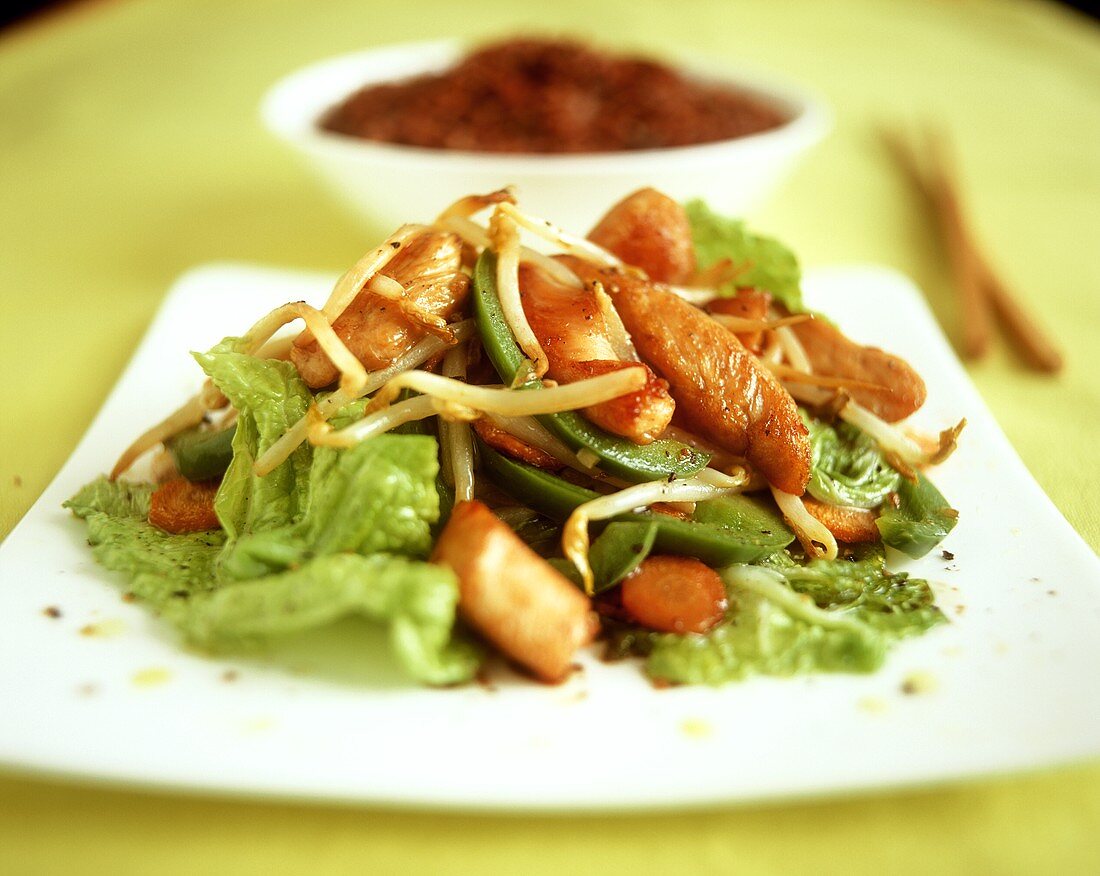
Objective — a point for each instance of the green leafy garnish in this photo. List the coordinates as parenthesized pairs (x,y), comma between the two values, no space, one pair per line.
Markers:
(269,397)
(829,616)
(758,261)
(319,538)
(887,600)
(848,467)
(379,495)
(415,600)
(159,565)
(113,498)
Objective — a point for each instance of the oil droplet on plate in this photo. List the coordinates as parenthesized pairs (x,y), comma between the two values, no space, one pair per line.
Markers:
(696,728)
(873,705)
(151,677)
(104,629)
(918,683)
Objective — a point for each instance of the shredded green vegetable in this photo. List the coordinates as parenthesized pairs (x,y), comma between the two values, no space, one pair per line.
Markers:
(848,467)
(760,262)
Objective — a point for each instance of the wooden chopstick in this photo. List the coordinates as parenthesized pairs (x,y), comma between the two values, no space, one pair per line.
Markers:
(1032,342)
(974,305)
(980,289)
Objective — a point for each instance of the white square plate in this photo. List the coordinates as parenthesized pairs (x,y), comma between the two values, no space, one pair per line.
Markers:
(1008,684)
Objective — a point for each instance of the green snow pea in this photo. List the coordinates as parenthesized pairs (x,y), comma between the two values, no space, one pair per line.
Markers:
(619,550)
(615,553)
(921,519)
(202,455)
(729,529)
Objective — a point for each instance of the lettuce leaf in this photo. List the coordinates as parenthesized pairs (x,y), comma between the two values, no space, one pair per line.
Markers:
(763,639)
(890,601)
(382,492)
(848,467)
(760,262)
(114,498)
(269,397)
(316,538)
(378,496)
(855,611)
(159,565)
(137,548)
(415,600)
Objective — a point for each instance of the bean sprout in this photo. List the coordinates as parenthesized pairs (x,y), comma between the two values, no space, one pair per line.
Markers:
(460,400)
(455,437)
(707,484)
(793,349)
(478,236)
(353,280)
(815,537)
(505,240)
(420,353)
(616,331)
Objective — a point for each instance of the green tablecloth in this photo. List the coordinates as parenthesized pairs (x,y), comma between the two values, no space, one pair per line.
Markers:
(130,150)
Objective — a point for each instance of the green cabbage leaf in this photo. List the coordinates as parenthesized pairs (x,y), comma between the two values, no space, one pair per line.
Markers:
(758,261)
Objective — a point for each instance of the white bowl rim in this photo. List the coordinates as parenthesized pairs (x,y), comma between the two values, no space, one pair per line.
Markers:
(295,120)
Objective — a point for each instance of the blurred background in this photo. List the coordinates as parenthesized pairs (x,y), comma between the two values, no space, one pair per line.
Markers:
(21,9)
(17,10)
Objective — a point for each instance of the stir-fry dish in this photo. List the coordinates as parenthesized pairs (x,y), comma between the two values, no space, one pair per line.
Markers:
(499,436)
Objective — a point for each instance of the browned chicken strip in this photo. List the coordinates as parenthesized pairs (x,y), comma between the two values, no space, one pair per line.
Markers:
(650,231)
(747,304)
(573,332)
(833,355)
(378,329)
(511,595)
(721,390)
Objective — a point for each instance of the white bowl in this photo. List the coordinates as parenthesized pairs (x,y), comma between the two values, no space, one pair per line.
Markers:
(387,185)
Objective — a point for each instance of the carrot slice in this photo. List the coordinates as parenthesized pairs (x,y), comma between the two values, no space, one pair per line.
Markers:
(180,505)
(849,525)
(675,595)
